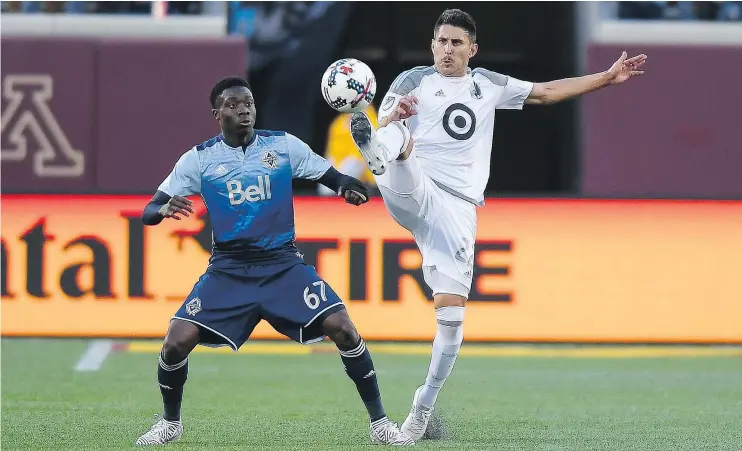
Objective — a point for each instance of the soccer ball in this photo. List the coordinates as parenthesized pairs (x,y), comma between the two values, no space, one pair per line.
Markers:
(348,85)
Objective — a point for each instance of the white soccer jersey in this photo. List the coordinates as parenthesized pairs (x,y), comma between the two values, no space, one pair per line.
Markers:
(454,125)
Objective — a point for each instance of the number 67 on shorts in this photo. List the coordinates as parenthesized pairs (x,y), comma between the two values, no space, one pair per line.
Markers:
(234,297)
(313,300)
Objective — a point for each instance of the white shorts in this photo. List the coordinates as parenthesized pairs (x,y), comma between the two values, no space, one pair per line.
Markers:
(444,226)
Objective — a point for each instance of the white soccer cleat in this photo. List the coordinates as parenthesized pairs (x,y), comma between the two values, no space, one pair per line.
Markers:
(374,153)
(387,433)
(162,432)
(417,421)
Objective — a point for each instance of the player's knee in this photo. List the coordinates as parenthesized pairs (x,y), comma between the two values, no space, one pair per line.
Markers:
(341,330)
(174,351)
(450,299)
(346,336)
(180,340)
(407,150)
(451,323)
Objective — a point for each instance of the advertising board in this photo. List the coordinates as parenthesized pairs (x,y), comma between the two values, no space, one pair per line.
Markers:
(545,270)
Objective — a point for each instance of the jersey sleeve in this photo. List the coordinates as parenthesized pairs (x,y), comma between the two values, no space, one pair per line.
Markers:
(407,83)
(514,92)
(185,178)
(305,164)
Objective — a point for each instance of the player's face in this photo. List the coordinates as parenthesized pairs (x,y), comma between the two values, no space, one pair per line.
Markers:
(235,111)
(452,49)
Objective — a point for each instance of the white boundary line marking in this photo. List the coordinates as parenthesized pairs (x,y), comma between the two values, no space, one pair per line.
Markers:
(94,356)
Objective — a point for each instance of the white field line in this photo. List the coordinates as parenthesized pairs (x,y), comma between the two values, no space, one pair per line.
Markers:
(94,356)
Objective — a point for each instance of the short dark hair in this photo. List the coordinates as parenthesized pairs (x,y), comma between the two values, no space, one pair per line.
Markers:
(459,19)
(224,84)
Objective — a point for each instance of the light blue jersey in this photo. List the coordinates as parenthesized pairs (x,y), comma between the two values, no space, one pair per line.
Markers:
(248,193)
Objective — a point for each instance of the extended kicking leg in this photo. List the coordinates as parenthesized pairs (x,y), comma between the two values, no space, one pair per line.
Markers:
(380,147)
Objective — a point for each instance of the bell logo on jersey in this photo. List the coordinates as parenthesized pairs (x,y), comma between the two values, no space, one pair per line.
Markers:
(252,193)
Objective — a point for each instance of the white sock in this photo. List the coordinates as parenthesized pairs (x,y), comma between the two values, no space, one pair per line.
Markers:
(394,137)
(446,347)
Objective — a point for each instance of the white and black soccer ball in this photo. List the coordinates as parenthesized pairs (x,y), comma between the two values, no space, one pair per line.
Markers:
(348,85)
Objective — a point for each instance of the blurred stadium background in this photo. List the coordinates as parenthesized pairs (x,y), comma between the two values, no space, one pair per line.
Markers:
(608,298)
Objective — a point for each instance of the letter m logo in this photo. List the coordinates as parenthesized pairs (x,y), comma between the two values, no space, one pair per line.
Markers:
(28,115)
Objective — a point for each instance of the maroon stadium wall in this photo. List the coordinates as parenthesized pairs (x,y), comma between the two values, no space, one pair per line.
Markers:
(675,132)
(112,115)
(106,114)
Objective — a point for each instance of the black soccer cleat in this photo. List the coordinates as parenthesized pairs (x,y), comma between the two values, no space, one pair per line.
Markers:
(374,153)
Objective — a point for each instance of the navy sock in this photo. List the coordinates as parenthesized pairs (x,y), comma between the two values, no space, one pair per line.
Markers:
(360,369)
(172,378)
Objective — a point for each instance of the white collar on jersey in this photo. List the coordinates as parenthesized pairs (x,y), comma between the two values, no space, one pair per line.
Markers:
(448,77)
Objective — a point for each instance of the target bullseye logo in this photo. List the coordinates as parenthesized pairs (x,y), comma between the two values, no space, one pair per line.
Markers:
(459,121)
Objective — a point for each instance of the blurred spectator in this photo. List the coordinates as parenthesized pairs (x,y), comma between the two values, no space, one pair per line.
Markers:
(639,10)
(173,7)
(288,41)
(730,11)
(342,152)
(711,11)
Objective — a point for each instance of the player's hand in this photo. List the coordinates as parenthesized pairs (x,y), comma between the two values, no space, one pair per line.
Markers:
(177,205)
(625,68)
(355,192)
(405,109)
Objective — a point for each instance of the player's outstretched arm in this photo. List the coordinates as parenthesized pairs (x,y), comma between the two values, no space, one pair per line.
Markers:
(567,88)
(349,188)
(308,165)
(163,206)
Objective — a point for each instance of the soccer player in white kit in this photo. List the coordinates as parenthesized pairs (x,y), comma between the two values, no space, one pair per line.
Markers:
(431,160)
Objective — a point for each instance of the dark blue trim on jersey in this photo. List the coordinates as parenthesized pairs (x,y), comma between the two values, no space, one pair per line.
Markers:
(210,143)
(219,138)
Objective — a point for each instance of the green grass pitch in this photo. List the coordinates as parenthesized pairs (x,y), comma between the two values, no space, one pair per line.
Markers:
(305,402)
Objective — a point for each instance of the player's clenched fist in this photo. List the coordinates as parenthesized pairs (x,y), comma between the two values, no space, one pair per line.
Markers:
(177,205)
(405,109)
(354,191)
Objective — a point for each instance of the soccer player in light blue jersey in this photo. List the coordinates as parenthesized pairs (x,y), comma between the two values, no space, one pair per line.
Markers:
(255,271)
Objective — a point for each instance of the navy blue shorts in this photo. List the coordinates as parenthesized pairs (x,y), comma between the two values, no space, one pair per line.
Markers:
(231,298)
